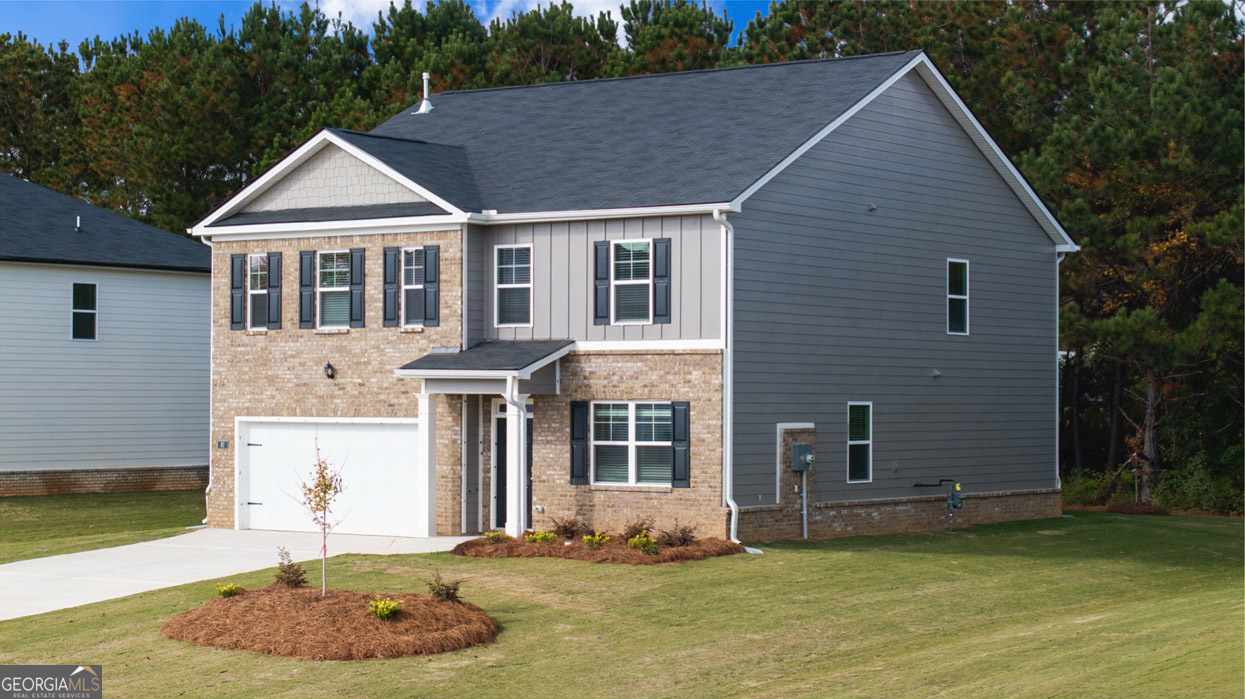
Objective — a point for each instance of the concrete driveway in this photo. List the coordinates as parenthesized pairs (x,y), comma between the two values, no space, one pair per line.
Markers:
(46,584)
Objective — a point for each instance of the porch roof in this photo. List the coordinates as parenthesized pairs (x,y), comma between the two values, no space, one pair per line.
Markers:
(489,359)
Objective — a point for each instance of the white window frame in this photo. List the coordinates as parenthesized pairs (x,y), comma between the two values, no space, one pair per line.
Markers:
(403,286)
(615,283)
(631,443)
(851,442)
(320,289)
(94,314)
(967,290)
(251,292)
(498,286)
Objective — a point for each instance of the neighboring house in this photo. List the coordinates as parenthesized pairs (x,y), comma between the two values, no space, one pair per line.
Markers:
(104,352)
(622,298)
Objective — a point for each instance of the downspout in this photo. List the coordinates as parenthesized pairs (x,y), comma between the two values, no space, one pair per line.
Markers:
(1058,259)
(728,376)
(211,354)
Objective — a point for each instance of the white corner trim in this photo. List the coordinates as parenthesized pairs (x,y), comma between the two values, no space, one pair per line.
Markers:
(778,453)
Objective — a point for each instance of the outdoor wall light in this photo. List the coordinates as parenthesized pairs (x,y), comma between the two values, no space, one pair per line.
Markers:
(330,371)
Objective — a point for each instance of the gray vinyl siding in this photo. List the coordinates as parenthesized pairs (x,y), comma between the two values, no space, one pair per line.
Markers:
(136,396)
(836,303)
(471,466)
(562,269)
(478,282)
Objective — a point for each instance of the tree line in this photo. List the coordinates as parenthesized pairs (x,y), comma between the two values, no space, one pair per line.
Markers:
(1126,117)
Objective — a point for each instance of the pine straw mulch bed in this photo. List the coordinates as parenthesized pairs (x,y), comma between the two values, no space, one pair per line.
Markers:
(299,623)
(614,552)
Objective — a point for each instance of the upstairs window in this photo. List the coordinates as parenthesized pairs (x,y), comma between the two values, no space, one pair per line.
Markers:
(257,290)
(514,286)
(334,289)
(83,313)
(413,286)
(859,442)
(631,443)
(633,282)
(957,297)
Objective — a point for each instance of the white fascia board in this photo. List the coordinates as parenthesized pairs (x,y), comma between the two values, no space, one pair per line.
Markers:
(487,219)
(321,229)
(526,372)
(455,374)
(647,345)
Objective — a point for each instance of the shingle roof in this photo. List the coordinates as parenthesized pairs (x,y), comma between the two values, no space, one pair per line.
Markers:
(492,355)
(676,138)
(37,225)
(332,213)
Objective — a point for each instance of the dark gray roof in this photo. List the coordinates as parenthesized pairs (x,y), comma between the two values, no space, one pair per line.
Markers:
(37,225)
(676,138)
(443,169)
(493,355)
(332,213)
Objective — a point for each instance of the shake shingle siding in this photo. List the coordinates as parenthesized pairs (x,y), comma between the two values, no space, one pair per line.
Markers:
(859,298)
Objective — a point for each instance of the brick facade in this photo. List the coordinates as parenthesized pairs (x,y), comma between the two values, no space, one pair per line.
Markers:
(102,480)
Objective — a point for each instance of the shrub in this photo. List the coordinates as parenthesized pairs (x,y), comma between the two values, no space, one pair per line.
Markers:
(643,542)
(596,540)
(442,589)
(540,538)
(227,589)
(497,537)
(570,528)
(383,607)
(1086,488)
(289,573)
(679,535)
(635,528)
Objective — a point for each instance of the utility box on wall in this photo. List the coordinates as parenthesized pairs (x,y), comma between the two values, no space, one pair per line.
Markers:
(801,457)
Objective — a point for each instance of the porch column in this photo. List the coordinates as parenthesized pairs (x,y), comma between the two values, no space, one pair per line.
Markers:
(516,455)
(425,509)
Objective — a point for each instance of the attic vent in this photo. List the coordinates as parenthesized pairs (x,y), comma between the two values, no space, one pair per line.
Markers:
(77,224)
(424,105)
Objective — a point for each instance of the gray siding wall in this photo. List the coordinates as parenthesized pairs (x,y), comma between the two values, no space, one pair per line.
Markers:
(562,267)
(835,303)
(137,396)
(478,281)
(471,466)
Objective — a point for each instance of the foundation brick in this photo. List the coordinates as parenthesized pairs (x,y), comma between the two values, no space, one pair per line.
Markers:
(102,480)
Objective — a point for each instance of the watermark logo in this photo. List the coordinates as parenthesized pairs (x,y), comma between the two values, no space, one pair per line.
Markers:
(51,681)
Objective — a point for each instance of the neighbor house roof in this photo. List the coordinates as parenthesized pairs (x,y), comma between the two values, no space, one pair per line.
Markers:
(38,225)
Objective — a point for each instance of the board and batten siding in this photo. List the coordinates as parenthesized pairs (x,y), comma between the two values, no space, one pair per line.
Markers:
(837,303)
(136,396)
(562,273)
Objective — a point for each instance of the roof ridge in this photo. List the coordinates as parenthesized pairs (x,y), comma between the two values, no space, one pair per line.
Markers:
(393,138)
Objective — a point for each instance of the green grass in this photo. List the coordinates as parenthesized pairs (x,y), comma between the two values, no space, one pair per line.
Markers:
(48,525)
(1096,605)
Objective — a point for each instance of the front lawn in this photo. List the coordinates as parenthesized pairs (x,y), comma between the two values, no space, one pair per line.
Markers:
(48,525)
(1094,605)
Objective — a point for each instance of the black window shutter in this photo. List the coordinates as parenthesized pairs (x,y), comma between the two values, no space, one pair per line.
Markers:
(432,285)
(579,442)
(237,292)
(274,290)
(306,289)
(661,280)
(601,290)
(681,476)
(356,287)
(393,270)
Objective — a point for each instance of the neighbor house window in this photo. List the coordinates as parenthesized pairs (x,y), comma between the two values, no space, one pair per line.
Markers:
(514,285)
(334,289)
(859,442)
(631,443)
(633,281)
(957,297)
(84,311)
(257,290)
(413,286)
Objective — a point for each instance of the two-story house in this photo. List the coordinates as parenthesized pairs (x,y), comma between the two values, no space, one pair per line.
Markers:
(630,297)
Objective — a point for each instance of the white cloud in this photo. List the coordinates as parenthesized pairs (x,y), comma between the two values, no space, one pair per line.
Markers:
(360,13)
(502,9)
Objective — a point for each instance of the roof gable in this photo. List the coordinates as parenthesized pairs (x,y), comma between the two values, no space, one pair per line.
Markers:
(318,181)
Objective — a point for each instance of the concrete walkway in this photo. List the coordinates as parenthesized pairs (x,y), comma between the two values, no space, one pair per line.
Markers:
(46,584)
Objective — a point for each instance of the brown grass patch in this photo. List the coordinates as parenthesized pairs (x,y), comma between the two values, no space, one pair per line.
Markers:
(1136,508)
(614,552)
(299,623)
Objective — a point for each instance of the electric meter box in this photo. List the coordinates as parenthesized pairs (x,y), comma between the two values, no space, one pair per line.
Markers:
(801,454)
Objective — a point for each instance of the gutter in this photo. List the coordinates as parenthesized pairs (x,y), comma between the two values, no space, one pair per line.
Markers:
(728,377)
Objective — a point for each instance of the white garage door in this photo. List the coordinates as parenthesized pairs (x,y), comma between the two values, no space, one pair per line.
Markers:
(377,462)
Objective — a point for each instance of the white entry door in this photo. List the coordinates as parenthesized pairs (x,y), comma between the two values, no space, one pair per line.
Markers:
(377,462)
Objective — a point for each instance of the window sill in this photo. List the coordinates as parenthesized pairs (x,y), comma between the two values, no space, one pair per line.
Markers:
(332,331)
(412,329)
(627,488)
(257,331)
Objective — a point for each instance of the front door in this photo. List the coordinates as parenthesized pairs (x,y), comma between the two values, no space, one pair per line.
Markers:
(499,473)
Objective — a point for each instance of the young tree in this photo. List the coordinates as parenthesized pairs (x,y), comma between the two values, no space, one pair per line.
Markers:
(318,496)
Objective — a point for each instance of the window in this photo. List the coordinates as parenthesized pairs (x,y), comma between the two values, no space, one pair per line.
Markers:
(631,443)
(514,285)
(859,442)
(633,282)
(334,289)
(257,290)
(957,297)
(83,323)
(413,286)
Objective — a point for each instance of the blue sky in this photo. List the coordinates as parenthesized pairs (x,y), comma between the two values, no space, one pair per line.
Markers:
(50,21)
